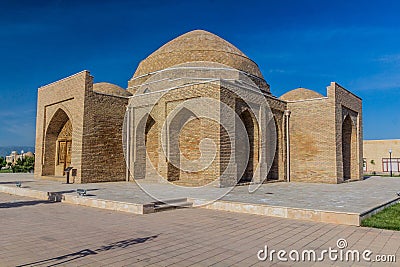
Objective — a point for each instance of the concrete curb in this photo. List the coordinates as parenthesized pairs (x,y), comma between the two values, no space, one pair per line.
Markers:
(78,200)
(109,204)
(346,218)
(25,192)
(369,213)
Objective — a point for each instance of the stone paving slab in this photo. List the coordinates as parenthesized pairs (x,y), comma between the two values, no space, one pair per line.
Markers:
(347,198)
(42,233)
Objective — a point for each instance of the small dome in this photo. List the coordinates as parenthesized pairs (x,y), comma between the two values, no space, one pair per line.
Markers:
(197,45)
(28,154)
(110,89)
(300,94)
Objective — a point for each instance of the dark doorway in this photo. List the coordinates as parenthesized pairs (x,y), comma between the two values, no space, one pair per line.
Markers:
(349,149)
(248,122)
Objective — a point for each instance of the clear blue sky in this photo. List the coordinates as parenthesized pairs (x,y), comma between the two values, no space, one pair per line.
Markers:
(295,43)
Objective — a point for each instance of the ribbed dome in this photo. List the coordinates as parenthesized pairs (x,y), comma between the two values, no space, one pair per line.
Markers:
(197,45)
(300,94)
(110,89)
(199,40)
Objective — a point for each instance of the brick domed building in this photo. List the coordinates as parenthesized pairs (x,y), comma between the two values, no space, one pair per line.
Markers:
(167,125)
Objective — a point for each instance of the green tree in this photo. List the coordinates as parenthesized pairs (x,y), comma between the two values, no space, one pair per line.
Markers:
(29,164)
(25,164)
(3,162)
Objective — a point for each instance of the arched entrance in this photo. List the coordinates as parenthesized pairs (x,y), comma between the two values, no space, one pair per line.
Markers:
(174,131)
(147,142)
(252,134)
(58,145)
(349,149)
(273,173)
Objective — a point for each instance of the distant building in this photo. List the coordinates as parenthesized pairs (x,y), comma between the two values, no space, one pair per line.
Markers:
(378,154)
(14,156)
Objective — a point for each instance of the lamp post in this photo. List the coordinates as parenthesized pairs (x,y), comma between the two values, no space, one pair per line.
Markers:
(390,161)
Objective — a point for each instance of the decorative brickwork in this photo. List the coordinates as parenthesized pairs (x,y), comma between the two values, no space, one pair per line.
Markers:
(80,123)
(95,120)
(195,46)
(324,145)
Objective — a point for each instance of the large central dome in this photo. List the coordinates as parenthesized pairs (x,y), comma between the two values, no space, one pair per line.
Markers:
(197,45)
(199,40)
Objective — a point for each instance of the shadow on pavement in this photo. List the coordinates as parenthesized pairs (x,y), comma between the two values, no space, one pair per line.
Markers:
(16,182)
(63,192)
(18,204)
(87,252)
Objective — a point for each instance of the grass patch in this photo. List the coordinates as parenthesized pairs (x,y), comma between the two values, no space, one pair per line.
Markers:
(388,218)
(6,171)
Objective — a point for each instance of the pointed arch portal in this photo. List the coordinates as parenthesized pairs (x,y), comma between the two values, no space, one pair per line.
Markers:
(349,149)
(57,144)
(251,127)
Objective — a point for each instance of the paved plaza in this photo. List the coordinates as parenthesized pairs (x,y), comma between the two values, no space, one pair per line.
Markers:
(41,233)
(357,197)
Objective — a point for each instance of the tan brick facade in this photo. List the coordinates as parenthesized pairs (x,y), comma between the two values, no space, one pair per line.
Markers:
(95,120)
(325,135)
(377,156)
(80,123)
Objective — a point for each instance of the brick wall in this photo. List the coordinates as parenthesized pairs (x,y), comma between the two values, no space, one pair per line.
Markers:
(103,157)
(347,104)
(60,101)
(187,130)
(312,141)
(96,121)
(318,140)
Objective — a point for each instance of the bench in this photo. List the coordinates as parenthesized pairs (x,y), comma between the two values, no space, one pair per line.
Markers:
(81,192)
(18,184)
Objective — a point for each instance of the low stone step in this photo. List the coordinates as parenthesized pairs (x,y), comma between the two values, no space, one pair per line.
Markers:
(189,183)
(171,201)
(170,205)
